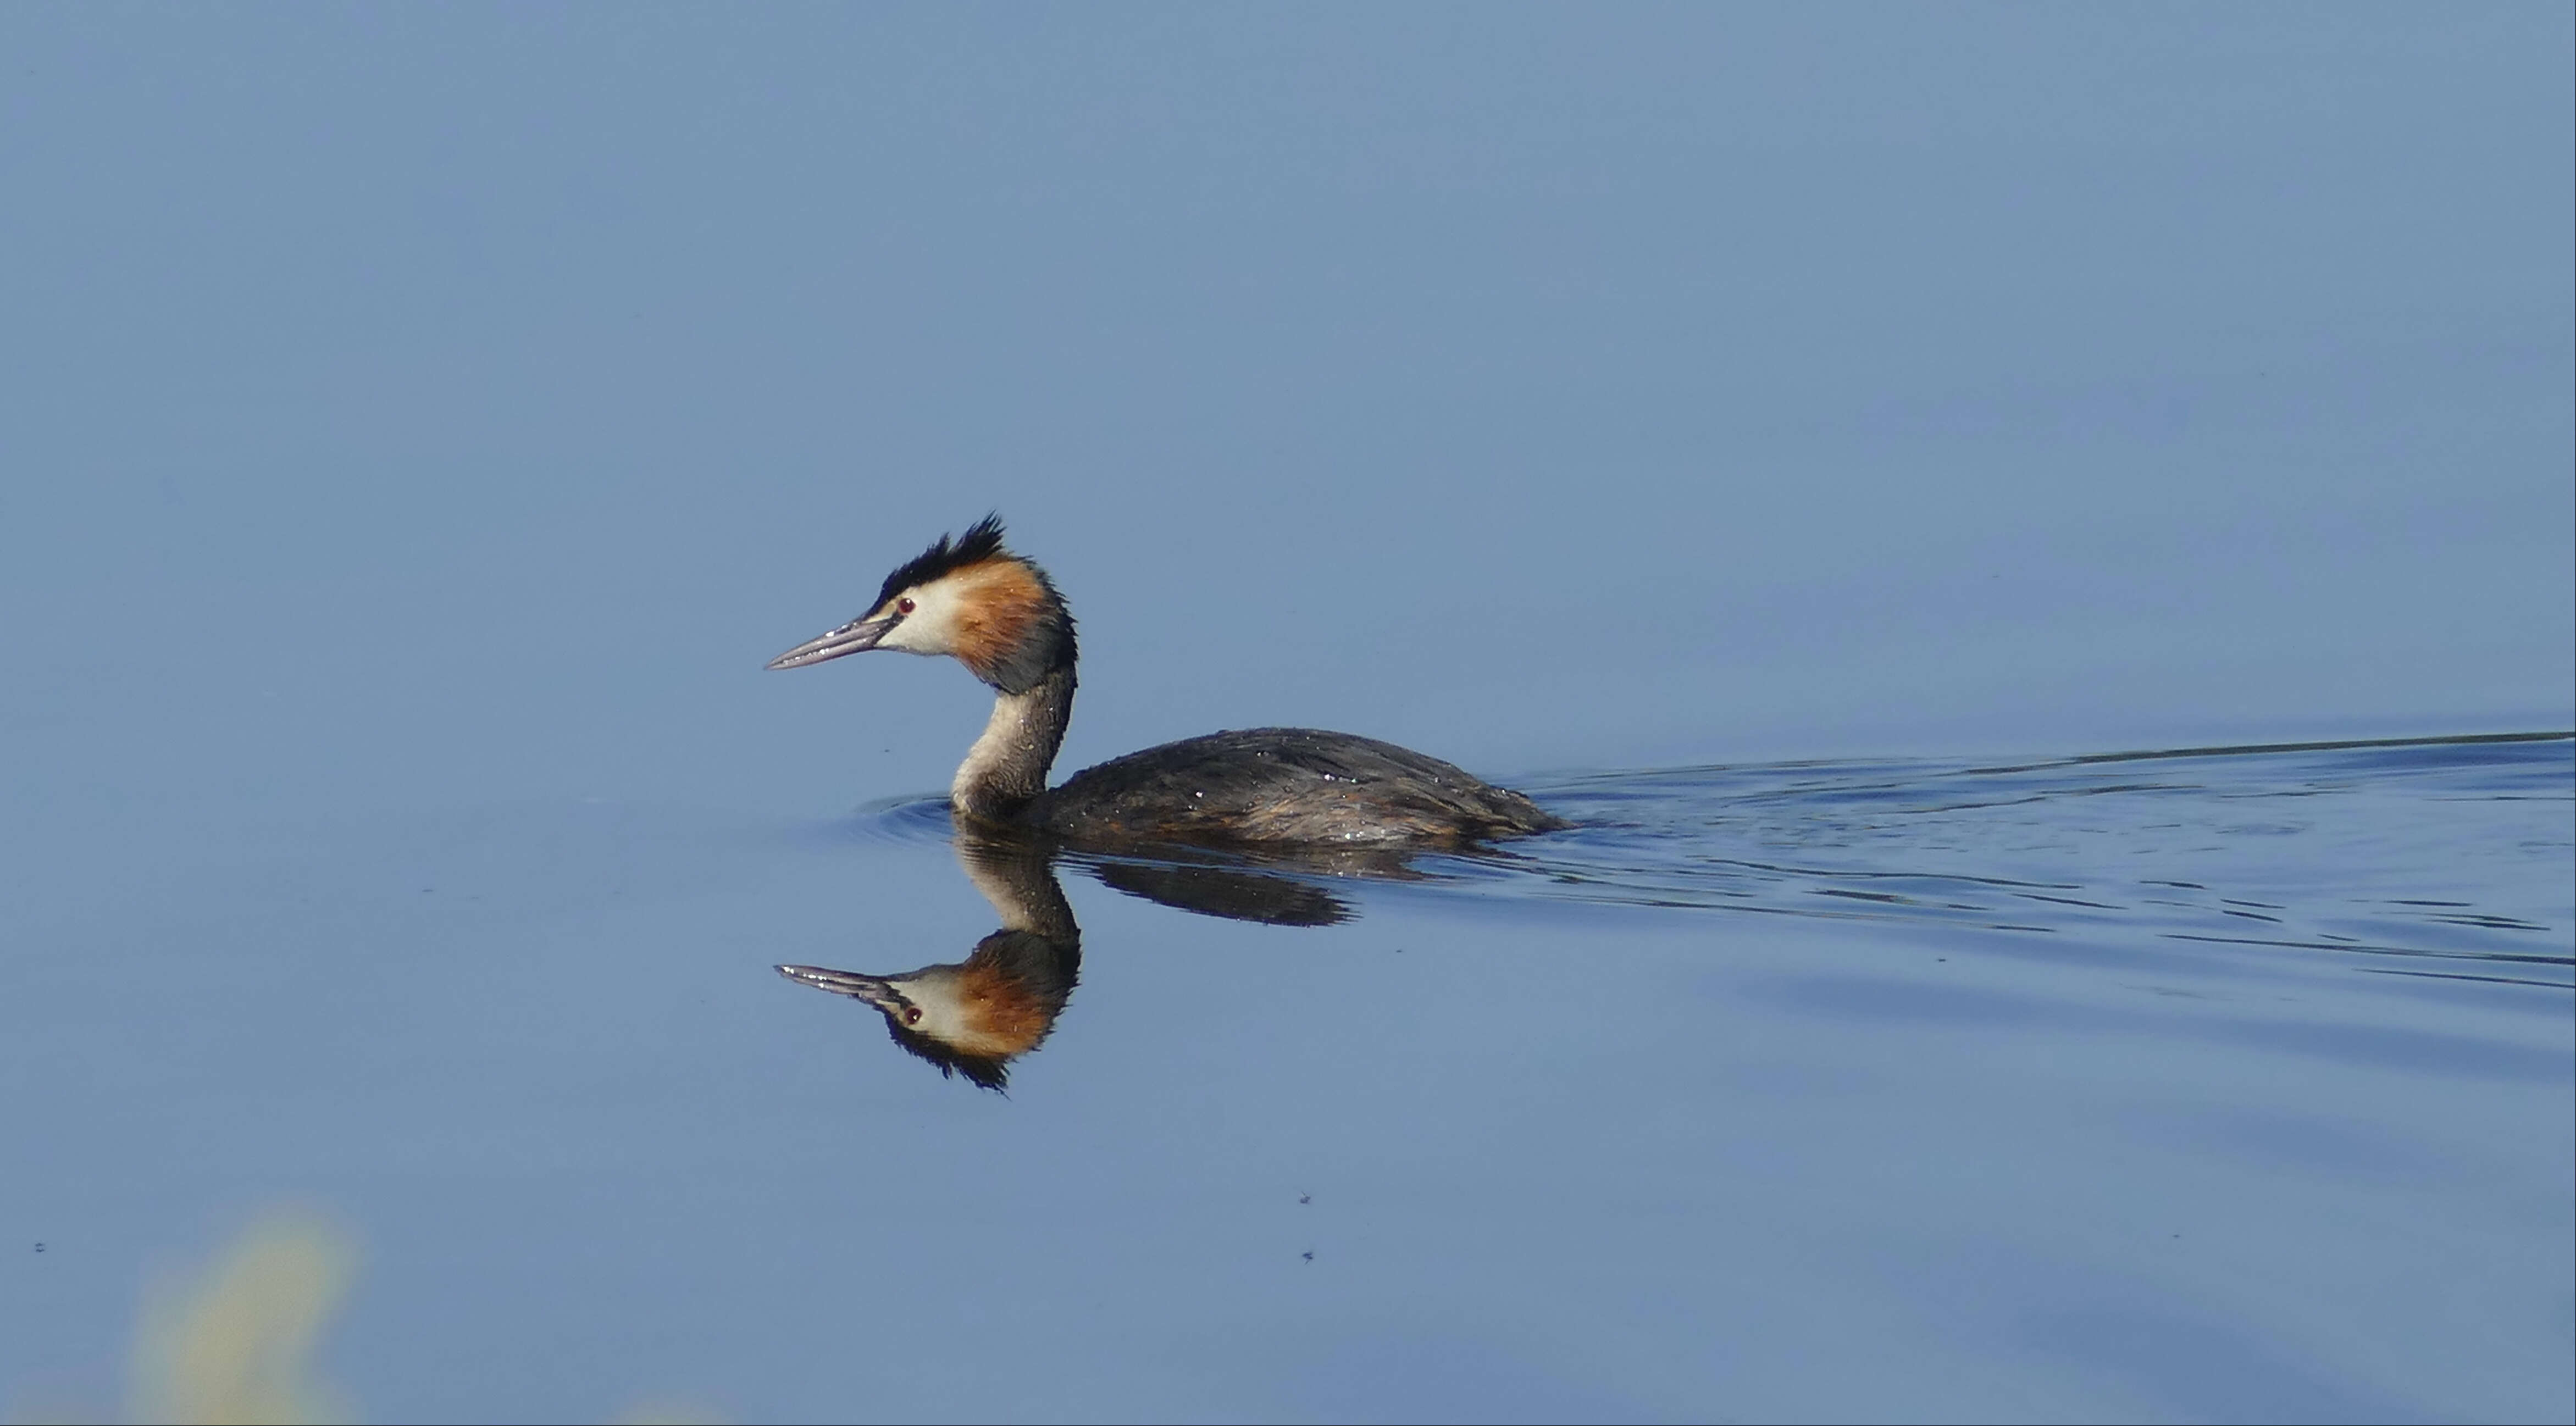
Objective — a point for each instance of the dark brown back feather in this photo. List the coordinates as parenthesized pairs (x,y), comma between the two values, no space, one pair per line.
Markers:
(1273,785)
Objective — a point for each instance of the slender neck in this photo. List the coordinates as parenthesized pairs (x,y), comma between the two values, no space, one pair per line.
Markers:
(1007,767)
(1017,876)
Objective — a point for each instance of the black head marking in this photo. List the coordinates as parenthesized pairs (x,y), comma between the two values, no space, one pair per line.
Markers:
(991,1072)
(981,542)
(1040,967)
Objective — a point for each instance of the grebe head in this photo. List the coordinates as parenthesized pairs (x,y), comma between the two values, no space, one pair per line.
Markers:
(967,598)
(972,1018)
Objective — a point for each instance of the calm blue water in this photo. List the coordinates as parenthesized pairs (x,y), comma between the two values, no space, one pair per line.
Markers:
(2218,1084)
(417,425)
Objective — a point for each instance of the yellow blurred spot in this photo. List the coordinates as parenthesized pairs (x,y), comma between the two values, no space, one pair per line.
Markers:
(235,1342)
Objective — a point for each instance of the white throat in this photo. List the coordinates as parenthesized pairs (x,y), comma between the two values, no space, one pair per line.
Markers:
(1020,733)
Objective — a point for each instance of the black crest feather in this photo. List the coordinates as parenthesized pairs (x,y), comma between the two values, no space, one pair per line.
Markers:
(991,1072)
(981,542)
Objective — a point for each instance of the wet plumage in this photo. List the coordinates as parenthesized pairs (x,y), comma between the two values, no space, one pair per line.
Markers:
(1281,785)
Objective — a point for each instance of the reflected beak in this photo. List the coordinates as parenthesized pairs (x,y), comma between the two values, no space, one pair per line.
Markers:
(855,637)
(872,989)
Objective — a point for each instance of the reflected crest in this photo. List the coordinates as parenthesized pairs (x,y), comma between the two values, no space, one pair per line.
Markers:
(973,1017)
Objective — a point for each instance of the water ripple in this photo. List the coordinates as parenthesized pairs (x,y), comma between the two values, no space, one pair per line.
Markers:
(2443,849)
(2418,851)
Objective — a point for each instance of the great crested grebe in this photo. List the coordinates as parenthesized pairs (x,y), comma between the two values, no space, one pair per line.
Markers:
(1000,616)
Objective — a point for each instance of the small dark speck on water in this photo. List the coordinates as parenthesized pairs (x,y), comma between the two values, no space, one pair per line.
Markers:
(1308,1255)
(40,1247)
(1305,1198)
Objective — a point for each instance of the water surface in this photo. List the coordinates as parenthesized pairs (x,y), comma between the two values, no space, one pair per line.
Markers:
(420,424)
(2221,1083)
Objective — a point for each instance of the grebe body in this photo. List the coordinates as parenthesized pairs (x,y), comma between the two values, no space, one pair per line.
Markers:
(970,599)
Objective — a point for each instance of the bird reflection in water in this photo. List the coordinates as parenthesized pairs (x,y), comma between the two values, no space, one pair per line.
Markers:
(974,1017)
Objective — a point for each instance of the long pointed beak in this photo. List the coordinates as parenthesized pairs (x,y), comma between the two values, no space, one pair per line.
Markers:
(855,637)
(874,990)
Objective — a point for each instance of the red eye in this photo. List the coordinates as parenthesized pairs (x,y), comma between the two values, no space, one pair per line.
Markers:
(903,605)
(912,1014)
